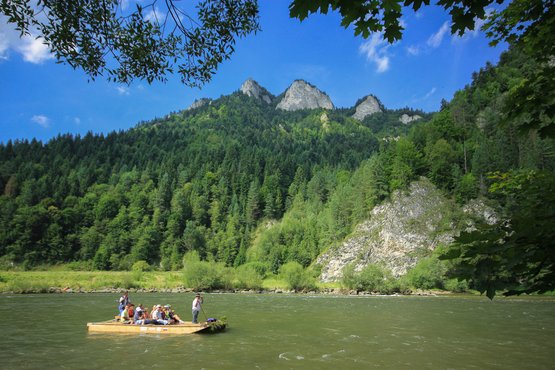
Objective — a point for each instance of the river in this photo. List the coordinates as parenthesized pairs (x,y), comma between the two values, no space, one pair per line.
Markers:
(273,331)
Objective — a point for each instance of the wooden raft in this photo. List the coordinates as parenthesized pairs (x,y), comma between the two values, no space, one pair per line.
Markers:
(118,327)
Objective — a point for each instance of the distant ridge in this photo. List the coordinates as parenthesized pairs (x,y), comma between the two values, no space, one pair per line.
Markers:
(300,95)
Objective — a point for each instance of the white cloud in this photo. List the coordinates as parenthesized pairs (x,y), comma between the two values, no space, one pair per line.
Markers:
(123,90)
(4,46)
(41,120)
(435,40)
(375,51)
(429,93)
(422,98)
(77,120)
(413,50)
(32,49)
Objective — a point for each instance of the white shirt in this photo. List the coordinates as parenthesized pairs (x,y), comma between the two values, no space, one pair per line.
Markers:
(196,304)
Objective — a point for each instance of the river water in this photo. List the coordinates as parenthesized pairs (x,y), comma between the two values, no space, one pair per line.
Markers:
(273,331)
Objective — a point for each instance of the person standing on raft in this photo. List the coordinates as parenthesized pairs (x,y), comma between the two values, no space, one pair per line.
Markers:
(123,301)
(197,306)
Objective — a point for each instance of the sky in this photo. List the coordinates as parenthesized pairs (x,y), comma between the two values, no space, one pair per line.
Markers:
(41,99)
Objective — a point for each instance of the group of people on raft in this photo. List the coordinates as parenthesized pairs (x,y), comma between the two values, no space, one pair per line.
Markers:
(159,315)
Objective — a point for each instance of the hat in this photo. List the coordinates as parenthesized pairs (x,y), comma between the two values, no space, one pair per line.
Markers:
(139,309)
(167,306)
(158,306)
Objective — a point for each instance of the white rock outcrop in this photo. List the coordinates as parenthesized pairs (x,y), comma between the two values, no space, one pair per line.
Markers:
(253,89)
(200,103)
(399,232)
(302,95)
(367,107)
(406,119)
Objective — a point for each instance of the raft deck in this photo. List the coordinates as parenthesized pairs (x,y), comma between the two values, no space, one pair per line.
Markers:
(118,327)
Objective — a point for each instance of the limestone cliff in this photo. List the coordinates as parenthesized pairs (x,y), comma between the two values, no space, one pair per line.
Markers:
(368,106)
(302,95)
(253,89)
(400,232)
(200,103)
(406,119)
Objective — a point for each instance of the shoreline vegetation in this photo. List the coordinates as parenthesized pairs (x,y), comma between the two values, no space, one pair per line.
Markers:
(115,282)
(36,282)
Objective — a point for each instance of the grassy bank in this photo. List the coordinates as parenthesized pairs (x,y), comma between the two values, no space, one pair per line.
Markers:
(89,281)
(45,281)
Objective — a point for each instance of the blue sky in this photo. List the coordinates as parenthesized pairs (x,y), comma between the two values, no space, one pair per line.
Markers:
(41,99)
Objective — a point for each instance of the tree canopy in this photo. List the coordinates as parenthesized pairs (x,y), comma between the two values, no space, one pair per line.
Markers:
(104,38)
(517,254)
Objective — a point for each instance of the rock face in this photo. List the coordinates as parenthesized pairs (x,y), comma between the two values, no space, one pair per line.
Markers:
(399,232)
(368,106)
(253,89)
(406,119)
(301,95)
(200,103)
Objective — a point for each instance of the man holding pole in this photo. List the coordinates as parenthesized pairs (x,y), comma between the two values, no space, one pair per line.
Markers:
(197,306)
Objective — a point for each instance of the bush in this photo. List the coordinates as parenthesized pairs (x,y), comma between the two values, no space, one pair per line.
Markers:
(372,278)
(349,277)
(375,278)
(202,275)
(429,273)
(141,266)
(261,268)
(248,277)
(296,277)
(457,286)
(79,266)
(130,280)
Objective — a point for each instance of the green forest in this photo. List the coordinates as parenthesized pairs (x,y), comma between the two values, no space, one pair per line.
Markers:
(200,187)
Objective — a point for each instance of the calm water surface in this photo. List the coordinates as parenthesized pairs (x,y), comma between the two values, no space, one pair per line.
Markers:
(285,332)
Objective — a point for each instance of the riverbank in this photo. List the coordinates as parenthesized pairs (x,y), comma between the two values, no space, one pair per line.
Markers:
(53,281)
(59,282)
(115,282)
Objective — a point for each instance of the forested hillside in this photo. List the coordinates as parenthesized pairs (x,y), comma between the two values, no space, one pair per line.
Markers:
(195,180)
(240,181)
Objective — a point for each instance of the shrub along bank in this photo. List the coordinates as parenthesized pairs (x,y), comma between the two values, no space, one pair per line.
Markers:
(200,275)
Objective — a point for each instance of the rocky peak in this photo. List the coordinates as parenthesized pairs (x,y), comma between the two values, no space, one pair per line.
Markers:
(367,107)
(200,103)
(253,89)
(302,95)
(406,119)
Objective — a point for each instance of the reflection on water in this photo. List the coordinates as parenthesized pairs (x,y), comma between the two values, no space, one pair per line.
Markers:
(285,332)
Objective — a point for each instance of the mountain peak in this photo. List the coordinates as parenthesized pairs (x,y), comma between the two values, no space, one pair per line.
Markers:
(302,95)
(368,106)
(253,89)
